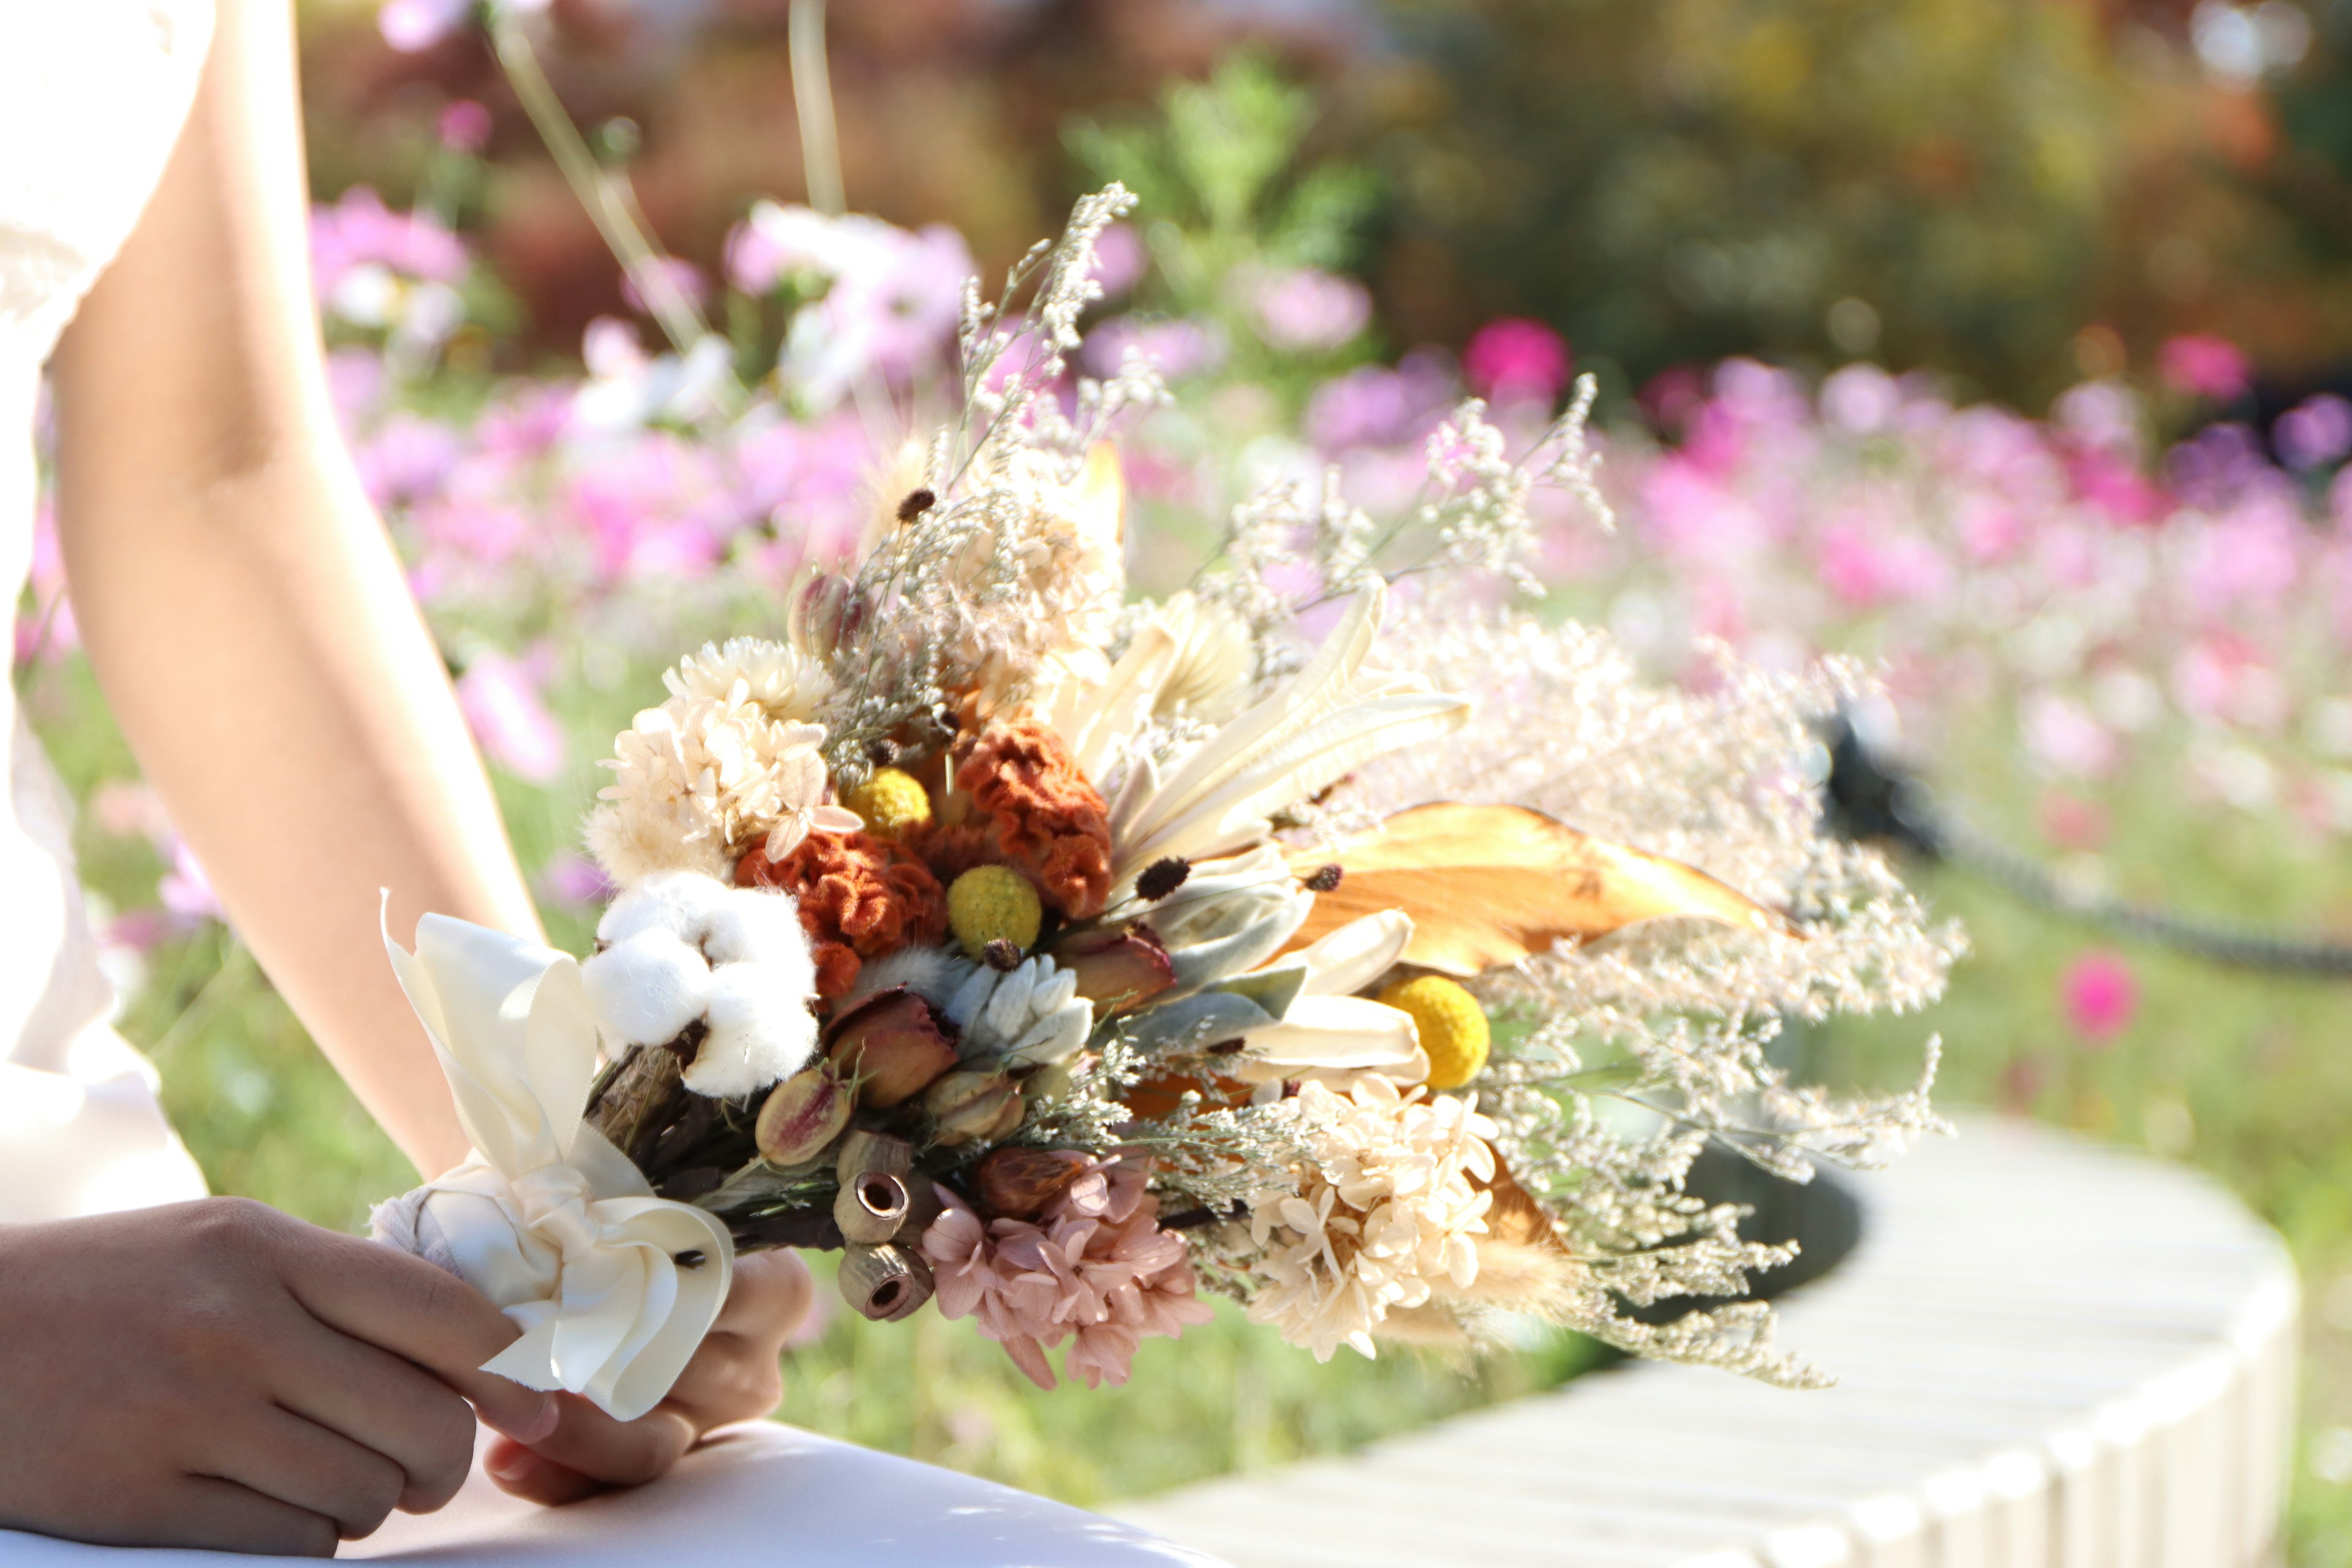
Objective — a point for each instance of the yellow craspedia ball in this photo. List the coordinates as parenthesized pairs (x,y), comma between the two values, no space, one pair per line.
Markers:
(891,800)
(1452,1026)
(989,902)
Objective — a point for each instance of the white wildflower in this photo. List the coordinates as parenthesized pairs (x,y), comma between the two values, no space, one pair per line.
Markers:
(796,770)
(1385,1213)
(785,683)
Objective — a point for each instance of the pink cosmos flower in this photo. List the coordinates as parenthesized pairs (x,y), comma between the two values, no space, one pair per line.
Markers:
(684,276)
(1176,349)
(1095,1270)
(1517,360)
(2315,432)
(464,126)
(360,229)
(574,880)
(184,890)
(502,701)
(2099,995)
(1120,260)
(1308,307)
(2204,366)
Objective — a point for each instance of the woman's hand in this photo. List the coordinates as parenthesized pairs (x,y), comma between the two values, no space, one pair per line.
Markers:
(733,1378)
(218,1374)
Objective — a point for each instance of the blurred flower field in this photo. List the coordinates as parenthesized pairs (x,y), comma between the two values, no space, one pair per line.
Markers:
(2115,634)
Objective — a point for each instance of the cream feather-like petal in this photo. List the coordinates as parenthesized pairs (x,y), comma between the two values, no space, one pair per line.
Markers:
(1356,954)
(1329,1033)
(1306,696)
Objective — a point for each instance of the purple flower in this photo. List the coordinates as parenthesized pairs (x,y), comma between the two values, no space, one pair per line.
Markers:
(407,459)
(1120,260)
(1375,406)
(359,230)
(1307,307)
(1176,349)
(2204,366)
(573,880)
(185,891)
(2313,433)
(1516,360)
(464,126)
(500,698)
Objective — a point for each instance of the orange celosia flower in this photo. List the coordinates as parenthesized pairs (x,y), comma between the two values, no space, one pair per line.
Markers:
(860,896)
(1048,821)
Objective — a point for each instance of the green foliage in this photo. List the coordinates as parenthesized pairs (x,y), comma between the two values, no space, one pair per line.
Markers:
(1685,180)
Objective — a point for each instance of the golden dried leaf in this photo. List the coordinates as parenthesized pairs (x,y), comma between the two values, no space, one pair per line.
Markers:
(1489,885)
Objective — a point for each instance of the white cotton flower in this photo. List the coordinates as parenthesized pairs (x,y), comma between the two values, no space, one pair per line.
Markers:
(684,948)
(780,680)
(648,987)
(1030,1015)
(762,1030)
(1387,1208)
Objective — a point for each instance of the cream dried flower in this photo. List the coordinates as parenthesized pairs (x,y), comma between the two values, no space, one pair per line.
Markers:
(796,770)
(1389,1209)
(785,683)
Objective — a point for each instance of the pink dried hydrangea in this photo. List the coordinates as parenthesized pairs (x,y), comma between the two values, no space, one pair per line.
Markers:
(1094,1268)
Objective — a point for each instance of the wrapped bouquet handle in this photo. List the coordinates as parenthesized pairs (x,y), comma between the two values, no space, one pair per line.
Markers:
(613,1286)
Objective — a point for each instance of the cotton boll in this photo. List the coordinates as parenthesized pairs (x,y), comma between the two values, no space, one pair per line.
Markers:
(760,1030)
(755,925)
(679,903)
(647,988)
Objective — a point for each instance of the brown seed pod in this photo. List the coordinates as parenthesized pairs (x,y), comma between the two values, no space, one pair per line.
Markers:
(884,1283)
(871,1207)
(865,1151)
(1017,1184)
(971,1104)
(892,1044)
(801,1116)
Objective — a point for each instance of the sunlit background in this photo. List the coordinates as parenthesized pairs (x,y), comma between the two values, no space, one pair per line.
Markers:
(2006,342)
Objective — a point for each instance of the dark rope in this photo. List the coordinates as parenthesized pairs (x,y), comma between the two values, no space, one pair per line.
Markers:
(1870,798)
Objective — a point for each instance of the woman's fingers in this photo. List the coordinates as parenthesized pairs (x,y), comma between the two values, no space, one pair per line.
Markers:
(769,1297)
(215,1515)
(391,1406)
(616,1453)
(413,1310)
(521,1473)
(730,1378)
(301,1464)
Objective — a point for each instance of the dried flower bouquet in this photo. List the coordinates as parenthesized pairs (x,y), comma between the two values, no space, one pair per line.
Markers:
(1059,957)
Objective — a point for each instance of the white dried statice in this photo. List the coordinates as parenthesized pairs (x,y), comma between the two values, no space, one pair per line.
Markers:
(681,949)
(782,681)
(1029,1015)
(1674,1018)
(1384,1211)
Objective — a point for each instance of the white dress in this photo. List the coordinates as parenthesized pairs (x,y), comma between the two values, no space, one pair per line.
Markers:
(92,95)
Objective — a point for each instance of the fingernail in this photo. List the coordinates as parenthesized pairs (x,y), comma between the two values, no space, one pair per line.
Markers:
(541,1424)
(511,1466)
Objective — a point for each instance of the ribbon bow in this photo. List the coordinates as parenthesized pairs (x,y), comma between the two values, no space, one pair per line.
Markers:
(612,1287)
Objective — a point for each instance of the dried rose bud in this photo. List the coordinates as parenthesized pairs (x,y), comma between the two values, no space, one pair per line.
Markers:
(1117,970)
(1326,879)
(803,1115)
(916,504)
(891,1045)
(826,613)
(1003,955)
(1017,1184)
(964,1106)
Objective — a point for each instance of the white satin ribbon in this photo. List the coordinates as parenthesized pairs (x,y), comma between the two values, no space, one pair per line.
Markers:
(547,1218)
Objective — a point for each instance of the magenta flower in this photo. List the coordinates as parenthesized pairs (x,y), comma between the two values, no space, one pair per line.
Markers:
(684,276)
(1376,407)
(407,459)
(184,890)
(2204,366)
(1309,309)
(1516,360)
(1120,260)
(464,126)
(501,700)
(1176,349)
(2315,432)
(1096,1269)
(359,230)
(573,880)
(2099,996)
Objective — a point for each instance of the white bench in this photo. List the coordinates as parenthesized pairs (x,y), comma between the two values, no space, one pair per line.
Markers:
(2049,1355)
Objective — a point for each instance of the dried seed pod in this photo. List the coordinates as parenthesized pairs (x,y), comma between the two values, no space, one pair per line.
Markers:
(1017,1184)
(971,1104)
(801,1116)
(891,1043)
(924,1205)
(1117,970)
(884,1283)
(863,1150)
(871,1207)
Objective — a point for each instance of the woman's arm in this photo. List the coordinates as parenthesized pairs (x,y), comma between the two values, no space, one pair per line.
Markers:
(244,608)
